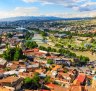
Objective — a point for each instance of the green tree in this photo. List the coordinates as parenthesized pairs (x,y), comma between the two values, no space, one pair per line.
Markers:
(32,83)
(9,54)
(42,48)
(9,35)
(18,54)
(49,49)
(36,77)
(49,61)
(69,46)
(32,44)
(47,79)
(43,33)
(29,35)
(27,80)
(83,60)
(13,54)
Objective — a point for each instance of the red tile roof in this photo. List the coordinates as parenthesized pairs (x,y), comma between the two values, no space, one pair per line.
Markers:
(81,78)
(32,50)
(36,49)
(59,88)
(24,74)
(76,88)
(90,88)
(89,76)
(44,90)
(50,85)
(9,79)
(2,71)
(56,67)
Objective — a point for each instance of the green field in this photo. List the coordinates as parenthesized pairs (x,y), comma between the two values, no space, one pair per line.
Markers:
(87,54)
(76,42)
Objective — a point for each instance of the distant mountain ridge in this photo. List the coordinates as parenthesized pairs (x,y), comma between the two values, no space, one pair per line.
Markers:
(39,18)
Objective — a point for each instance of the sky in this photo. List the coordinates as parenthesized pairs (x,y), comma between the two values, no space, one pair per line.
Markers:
(58,8)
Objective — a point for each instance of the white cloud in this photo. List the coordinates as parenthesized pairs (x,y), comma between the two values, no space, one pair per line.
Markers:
(20,11)
(60,2)
(25,11)
(55,1)
(28,1)
(72,15)
(89,6)
(34,11)
(80,5)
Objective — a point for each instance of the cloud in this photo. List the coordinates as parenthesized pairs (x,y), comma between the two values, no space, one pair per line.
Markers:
(20,11)
(55,1)
(72,15)
(34,11)
(79,5)
(28,1)
(60,2)
(89,6)
(25,11)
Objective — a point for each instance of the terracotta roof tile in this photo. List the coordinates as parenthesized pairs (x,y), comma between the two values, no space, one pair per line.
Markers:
(89,88)
(50,85)
(56,67)
(22,74)
(76,88)
(81,78)
(4,89)
(9,79)
(59,88)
